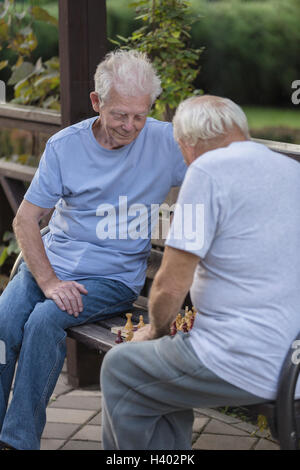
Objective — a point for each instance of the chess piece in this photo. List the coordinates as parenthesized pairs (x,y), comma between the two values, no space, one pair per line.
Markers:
(173,329)
(178,321)
(119,338)
(188,319)
(185,327)
(141,322)
(129,335)
(129,325)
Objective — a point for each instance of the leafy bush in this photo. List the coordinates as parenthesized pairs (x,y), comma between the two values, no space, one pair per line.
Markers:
(35,82)
(165,37)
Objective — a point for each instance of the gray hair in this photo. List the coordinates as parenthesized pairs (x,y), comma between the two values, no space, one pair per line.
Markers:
(130,73)
(207,117)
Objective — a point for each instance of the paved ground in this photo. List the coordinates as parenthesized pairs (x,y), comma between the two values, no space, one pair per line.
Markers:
(74,423)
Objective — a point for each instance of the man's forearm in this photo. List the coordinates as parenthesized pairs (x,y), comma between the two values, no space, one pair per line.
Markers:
(164,306)
(30,241)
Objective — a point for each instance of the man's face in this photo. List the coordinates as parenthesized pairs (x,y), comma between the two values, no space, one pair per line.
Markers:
(121,117)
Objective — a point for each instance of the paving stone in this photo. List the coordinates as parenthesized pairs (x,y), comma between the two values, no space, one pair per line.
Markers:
(265,444)
(67,415)
(77,402)
(248,427)
(223,442)
(88,433)
(97,419)
(199,423)
(217,414)
(82,445)
(62,385)
(85,393)
(51,444)
(59,430)
(218,427)
(252,429)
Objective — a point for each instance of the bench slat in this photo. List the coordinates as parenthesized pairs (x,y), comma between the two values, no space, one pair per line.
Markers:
(93,336)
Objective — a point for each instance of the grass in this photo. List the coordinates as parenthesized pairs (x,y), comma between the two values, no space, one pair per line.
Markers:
(260,117)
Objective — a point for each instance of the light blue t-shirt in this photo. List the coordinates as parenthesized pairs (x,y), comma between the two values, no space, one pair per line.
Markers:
(247,283)
(106,201)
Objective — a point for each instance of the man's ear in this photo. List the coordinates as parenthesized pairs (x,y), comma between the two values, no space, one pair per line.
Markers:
(95,101)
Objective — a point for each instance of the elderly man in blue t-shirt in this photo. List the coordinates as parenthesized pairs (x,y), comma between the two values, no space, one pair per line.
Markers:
(234,242)
(106,177)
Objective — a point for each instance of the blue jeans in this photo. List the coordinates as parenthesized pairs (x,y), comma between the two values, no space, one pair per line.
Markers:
(32,328)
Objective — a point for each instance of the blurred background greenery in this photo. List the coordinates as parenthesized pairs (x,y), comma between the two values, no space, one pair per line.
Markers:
(251,55)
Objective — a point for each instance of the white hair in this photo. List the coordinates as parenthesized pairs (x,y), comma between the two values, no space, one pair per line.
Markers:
(130,73)
(207,117)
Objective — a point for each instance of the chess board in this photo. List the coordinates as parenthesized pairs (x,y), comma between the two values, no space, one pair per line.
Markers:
(124,332)
(182,323)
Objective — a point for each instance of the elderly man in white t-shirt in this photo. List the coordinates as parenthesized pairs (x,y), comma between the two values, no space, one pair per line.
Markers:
(238,252)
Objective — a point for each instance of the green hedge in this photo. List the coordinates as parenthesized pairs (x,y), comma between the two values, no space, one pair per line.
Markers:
(252,49)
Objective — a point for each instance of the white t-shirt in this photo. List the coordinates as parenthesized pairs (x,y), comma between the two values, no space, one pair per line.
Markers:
(247,284)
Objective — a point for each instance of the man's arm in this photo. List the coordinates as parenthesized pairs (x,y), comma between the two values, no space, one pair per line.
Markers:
(66,294)
(169,289)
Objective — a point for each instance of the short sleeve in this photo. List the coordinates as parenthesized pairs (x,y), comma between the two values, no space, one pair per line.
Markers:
(180,167)
(196,214)
(46,187)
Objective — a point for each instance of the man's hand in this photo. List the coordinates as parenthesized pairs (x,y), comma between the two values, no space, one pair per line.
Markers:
(66,295)
(143,334)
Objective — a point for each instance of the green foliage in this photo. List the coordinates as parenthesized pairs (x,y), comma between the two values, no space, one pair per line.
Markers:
(9,249)
(165,37)
(34,84)
(37,84)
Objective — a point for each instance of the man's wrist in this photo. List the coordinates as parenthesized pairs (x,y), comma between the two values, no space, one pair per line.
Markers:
(45,282)
(158,331)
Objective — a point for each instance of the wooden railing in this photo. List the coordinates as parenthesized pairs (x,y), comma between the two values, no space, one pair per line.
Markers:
(14,177)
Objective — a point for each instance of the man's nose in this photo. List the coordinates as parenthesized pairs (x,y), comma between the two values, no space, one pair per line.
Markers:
(128,125)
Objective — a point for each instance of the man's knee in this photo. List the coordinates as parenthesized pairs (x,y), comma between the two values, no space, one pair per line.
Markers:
(115,361)
(110,361)
(43,317)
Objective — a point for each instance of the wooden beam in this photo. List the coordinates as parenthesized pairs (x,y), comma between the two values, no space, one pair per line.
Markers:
(82,45)
(14,191)
(6,214)
(291,150)
(29,118)
(16,171)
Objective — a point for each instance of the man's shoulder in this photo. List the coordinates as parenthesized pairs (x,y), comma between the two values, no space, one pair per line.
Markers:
(158,126)
(70,131)
(234,154)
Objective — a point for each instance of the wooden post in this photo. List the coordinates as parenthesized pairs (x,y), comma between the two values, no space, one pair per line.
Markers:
(82,45)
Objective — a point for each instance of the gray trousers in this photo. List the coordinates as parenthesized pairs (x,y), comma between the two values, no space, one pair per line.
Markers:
(149,390)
